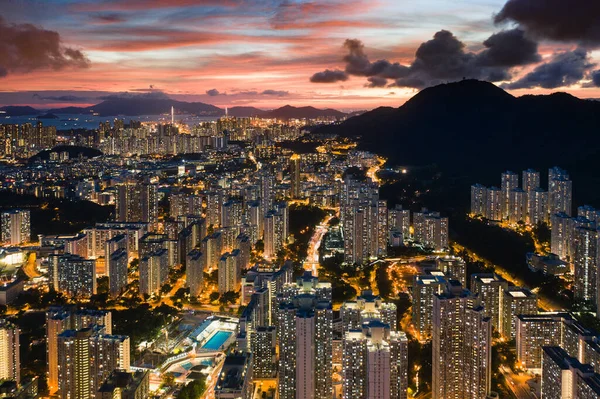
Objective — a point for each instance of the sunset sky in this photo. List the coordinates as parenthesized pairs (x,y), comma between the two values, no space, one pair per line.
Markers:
(270,53)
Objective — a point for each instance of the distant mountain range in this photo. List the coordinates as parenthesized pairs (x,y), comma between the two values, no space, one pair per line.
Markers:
(17,110)
(474,130)
(156,106)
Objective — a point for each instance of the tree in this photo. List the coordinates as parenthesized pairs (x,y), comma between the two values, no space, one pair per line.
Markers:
(181,295)
(100,300)
(166,288)
(229,297)
(168,380)
(193,390)
(259,246)
(134,264)
(212,278)
(542,233)
(214,296)
(102,284)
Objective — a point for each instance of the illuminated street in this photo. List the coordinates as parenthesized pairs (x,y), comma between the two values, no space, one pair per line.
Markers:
(312,260)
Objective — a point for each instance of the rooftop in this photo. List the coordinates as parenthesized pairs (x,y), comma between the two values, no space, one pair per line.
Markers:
(233,374)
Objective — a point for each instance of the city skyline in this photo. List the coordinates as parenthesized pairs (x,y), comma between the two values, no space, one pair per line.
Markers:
(197,203)
(351,55)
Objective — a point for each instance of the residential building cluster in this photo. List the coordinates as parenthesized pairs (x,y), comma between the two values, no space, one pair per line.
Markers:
(289,332)
(15,226)
(82,355)
(527,203)
(368,226)
(26,140)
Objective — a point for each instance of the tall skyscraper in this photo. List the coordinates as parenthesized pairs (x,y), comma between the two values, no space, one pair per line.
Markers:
(495,204)
(364,220)
(564,377)
(117,271)
(295,175)
(478,200)
(194,275)
(561,235)
(425,287)
(73,275)
(254,217)
(453,268)
(374,362)
(461,346)
(266,189)
(431,229)
(509,182)
(515,301)
(213,208)
(585,263)
(532,332)
(57,321)
(559,191)
(531,180)
(212,246)
(10,364)
(231,214)
(590,213)
(275,225)
(15,226)
(137,202)
(86,357)
(61,319)
(517,205)
(537,206)
(490,288)
(264,352)
(400,219)
(154,269)
(531,184)
(229,273)
(305,327)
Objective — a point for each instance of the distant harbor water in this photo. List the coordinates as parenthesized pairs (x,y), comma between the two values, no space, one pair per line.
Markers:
(70,121)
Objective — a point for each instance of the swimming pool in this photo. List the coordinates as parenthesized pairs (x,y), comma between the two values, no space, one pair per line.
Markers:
(217,340)
(188,366)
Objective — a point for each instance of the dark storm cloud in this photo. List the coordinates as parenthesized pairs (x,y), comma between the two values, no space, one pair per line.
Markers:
(276,93)
(213,92)
(441,59)
(563,20)
(509,48)
(329,76)
(358,64)
(444,58)
(596,78)
(376,81)
(564,69)
(25,47)
(61,99)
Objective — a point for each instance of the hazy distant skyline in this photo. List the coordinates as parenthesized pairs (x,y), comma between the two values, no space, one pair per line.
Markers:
(271,53)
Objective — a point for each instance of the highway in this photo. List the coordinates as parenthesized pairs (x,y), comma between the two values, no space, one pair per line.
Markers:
(312,260)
